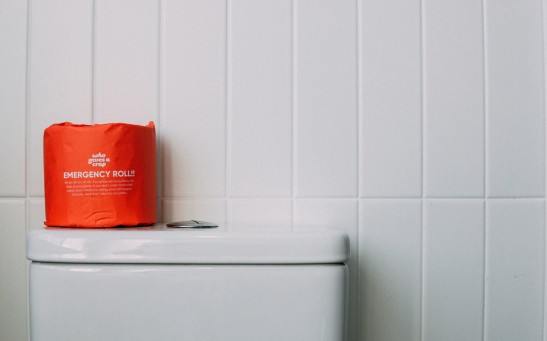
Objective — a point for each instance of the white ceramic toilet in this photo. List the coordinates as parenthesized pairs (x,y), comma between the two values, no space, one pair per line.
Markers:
(164,284)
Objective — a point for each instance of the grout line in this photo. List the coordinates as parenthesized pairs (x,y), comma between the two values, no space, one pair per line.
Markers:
(423,100)
(27,153)
(423,203)
(446,198)
(93,55)
(359,99)
(485,165)
(189,198)
(294,107)
(485,261)
(423,145)
(515,198)
(27,114)
(544,336)
(27,106)
(359,85)
(159,146)
(232,198)
(228,104)
(14,197)
(485,101)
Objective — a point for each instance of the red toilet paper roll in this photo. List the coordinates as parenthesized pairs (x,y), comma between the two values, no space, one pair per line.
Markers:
(101,175)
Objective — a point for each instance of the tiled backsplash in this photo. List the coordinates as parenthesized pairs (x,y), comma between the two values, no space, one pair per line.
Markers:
(417,126)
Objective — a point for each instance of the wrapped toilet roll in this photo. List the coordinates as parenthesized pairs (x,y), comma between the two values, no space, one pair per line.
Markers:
(101,175)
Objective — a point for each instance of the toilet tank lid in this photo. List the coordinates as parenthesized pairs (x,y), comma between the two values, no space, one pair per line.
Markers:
(161,245)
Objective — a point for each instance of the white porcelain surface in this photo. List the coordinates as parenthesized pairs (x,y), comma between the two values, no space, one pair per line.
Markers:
(260,98)
(159,244)
(515,98)
(295,288)
(325,98)
(126,39)
(453,99)
(194,302)
(453,276)
(391,134)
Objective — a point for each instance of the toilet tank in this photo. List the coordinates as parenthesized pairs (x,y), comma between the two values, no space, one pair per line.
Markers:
(167,284)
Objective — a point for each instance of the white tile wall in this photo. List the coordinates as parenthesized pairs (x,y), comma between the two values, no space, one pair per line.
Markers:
(390,265)
(213,210)
(515,270)
(13,281)
(453,98)
(418,127)
(325,68)
(12,96)
(193,98)
(342,214)
(453,272)
(260,214)
(260,98)
(60,68)
(390,99)
(125,50)
(515,99)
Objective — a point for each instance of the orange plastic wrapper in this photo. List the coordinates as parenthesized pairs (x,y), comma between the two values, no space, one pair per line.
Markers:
(101,175)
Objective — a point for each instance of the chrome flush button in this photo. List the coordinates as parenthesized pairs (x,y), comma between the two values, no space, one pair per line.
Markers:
(192,224)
